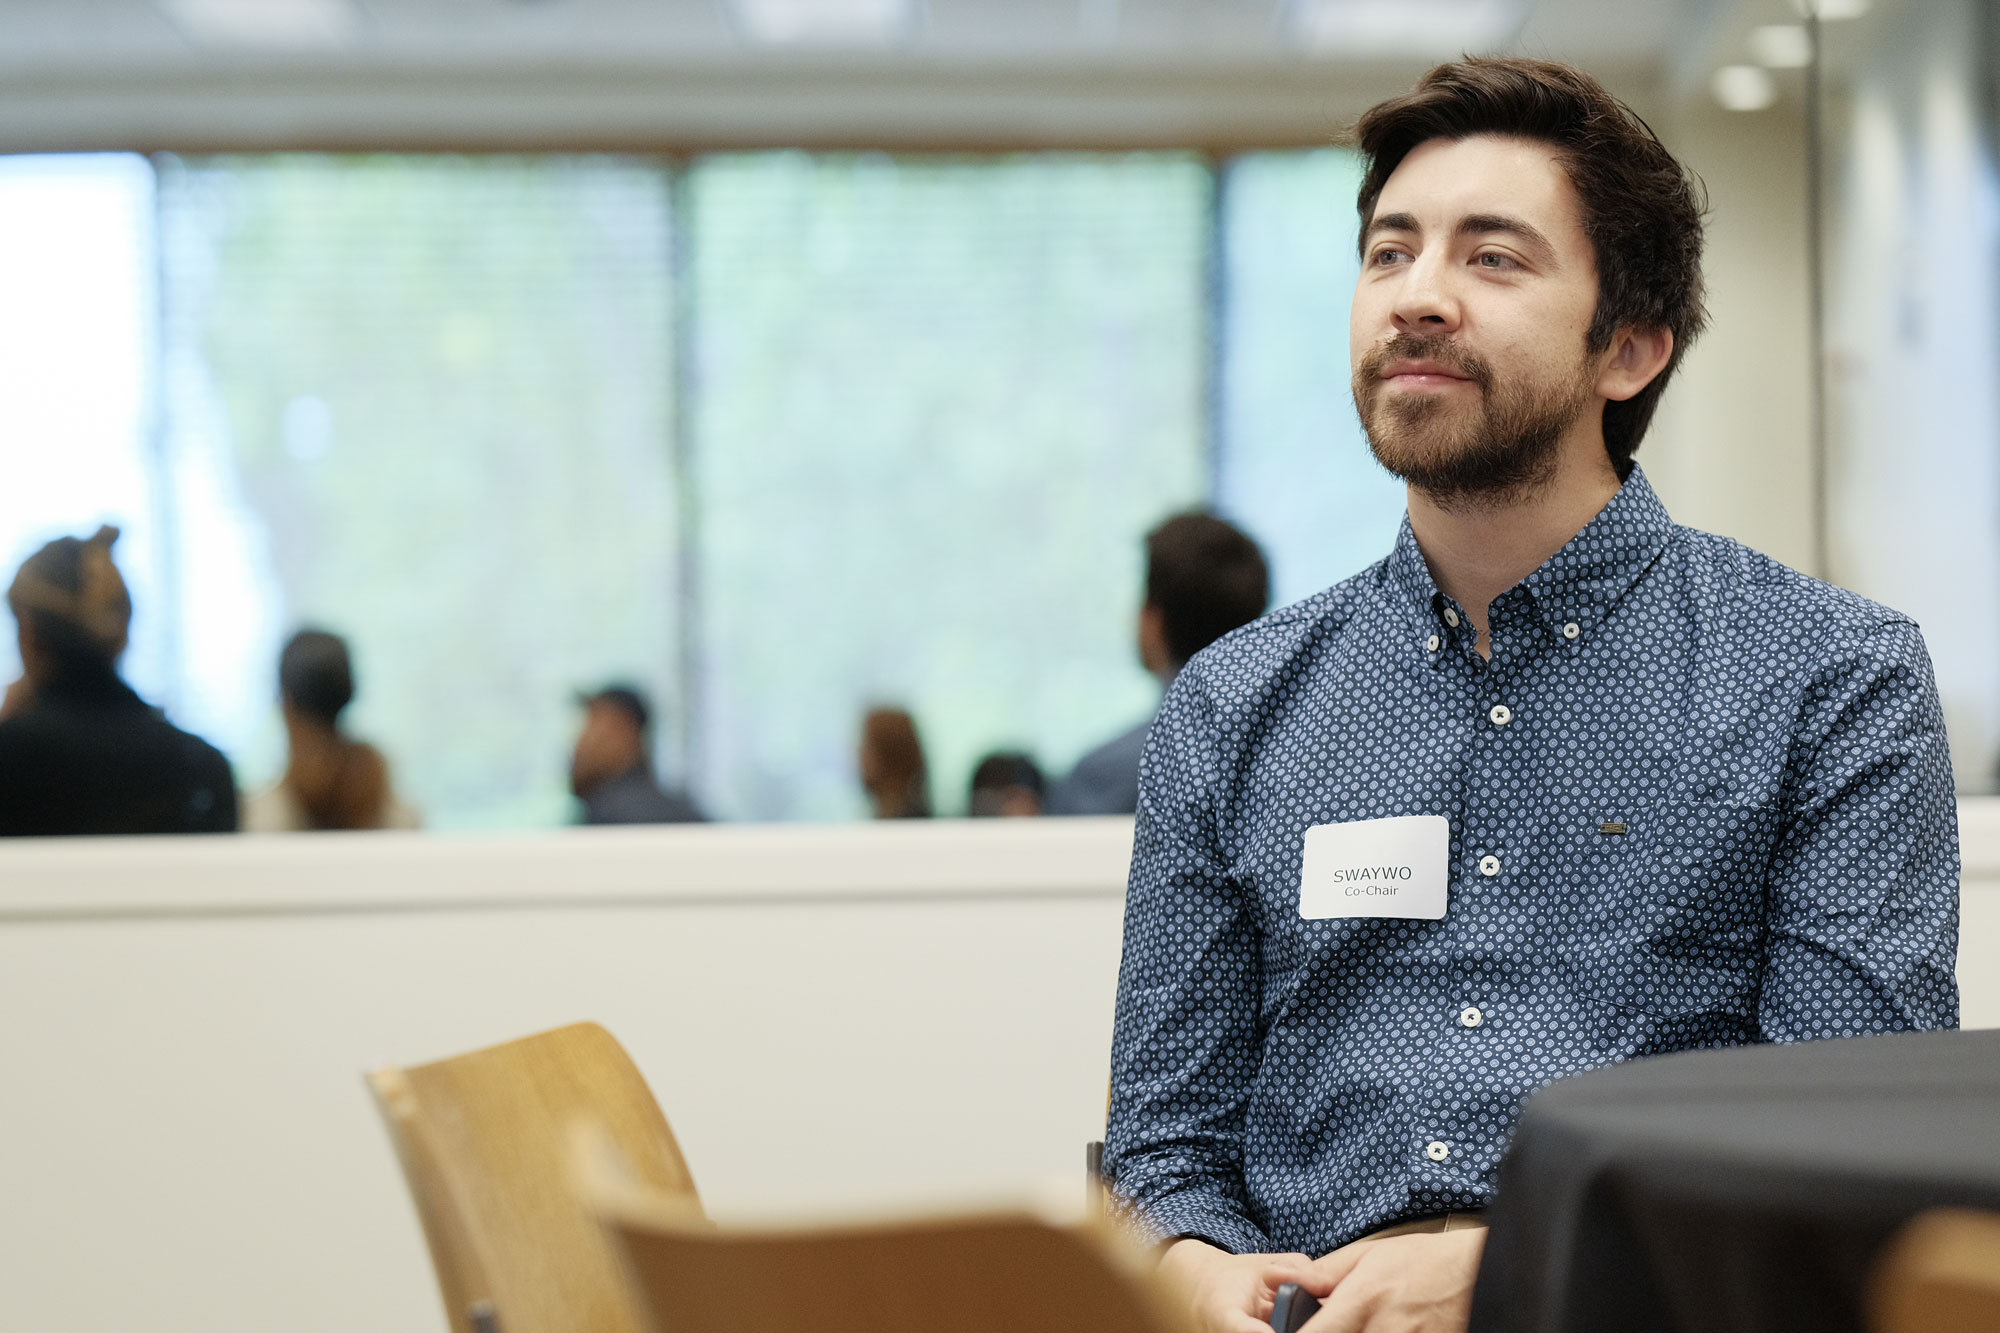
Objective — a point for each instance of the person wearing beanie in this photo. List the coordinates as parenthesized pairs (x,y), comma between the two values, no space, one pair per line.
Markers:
(80,753)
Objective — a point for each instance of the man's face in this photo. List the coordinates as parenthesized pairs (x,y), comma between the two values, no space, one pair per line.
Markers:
(609,744)
(1477,288)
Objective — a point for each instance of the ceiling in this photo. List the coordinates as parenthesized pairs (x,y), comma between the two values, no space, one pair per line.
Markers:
(38,34)
(79,74)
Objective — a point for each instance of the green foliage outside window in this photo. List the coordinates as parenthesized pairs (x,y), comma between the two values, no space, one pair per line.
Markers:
(929,407)
(937,403)
(444,385)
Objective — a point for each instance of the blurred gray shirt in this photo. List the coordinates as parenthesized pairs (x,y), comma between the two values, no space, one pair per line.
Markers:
(1105,781)
(633,797)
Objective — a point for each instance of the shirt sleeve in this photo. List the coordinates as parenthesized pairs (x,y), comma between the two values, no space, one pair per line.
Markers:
(1863,888)
(1185,1047)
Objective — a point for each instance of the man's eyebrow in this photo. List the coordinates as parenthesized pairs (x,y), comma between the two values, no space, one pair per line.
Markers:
(1390,222)
(1489,224)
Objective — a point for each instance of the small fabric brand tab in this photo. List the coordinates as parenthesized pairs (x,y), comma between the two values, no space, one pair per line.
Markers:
(1617,827)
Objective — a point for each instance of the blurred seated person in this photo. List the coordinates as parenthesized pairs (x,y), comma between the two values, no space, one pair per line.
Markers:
(611,769)
(1006,783)
(80,753)
(331,781)
(892,765)
(1204,578)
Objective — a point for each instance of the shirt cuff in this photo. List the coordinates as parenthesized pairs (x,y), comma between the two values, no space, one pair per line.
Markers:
(1192,1217)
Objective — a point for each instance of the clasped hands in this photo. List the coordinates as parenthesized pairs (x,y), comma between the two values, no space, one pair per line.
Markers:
(1400,1284)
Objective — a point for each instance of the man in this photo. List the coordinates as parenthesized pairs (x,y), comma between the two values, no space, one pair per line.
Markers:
(1554,785)
(80,753)
(611,772)
(1203,579)
(1006,784)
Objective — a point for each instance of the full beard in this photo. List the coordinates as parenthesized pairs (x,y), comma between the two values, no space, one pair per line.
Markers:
(1509,447)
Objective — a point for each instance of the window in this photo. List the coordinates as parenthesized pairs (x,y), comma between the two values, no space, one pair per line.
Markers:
(425,402)
(1293,465)
(775,435)
(936,405)
(77,314)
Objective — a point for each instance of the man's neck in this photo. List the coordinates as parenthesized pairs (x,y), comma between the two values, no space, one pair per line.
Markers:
(1476,551)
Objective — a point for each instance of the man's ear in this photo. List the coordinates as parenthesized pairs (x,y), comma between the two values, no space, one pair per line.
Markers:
(1638,355)
(1153,652)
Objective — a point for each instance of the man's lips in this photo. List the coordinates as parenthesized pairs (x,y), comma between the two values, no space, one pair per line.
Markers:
(1422,375)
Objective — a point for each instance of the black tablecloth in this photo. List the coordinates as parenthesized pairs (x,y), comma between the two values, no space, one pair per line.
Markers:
(1726,1191)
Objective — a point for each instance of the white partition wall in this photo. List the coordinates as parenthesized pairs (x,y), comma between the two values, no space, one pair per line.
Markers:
(830,1016)
(1979,913)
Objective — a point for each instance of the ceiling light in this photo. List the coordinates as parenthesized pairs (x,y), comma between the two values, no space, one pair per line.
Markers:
(1781,46)
(1744,87)
(826,22)
(1405,27)
(274,23)
(1831,11)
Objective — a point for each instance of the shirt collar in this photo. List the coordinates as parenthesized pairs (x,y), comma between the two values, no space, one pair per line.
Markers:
(1578,585)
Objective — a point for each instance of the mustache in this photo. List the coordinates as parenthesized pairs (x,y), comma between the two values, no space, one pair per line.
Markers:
(1437,347)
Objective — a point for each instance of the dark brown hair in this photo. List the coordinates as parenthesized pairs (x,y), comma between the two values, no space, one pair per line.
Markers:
(892,765)
(1641,208)
(71,592)
(1206,578)
(339,783)
(316,675)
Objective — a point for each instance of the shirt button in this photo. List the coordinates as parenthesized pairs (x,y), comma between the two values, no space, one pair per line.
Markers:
(1431,644)
(1571,630)
(1500,715)
(1489,866)
(1451,617)
(1470,1017)
(1436,1151)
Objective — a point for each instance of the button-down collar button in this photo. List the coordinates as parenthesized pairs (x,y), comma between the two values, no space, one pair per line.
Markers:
(1571,630)
(1431,644)
(1451,617)
(1436,1151)
(1470,1017)
(1500,715)
(1489,866)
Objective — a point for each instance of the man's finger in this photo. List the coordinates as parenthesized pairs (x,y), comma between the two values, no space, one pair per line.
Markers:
(1341,1316)
(1287,1263)
(1304,1274)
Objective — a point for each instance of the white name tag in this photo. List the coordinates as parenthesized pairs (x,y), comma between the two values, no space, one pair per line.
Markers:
(1376,867)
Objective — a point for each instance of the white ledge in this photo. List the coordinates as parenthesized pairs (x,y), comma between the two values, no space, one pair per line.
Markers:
(687,865)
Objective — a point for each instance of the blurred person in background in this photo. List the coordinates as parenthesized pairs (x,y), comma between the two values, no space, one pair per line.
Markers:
(1204,578)
(611,769)
(1006,783)
(80,753)
(892,765)
(331,781)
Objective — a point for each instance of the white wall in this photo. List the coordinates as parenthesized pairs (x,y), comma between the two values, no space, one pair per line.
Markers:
(830,1016)
(1730,451)
(1913,346)
(1913,354)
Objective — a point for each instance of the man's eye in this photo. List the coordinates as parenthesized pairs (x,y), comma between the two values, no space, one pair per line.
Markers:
(1494,261)
(1383,258)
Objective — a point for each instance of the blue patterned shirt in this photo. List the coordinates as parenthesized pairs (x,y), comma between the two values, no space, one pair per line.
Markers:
(1695,799)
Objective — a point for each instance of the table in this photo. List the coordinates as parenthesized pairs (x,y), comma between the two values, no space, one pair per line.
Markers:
(1734,1190)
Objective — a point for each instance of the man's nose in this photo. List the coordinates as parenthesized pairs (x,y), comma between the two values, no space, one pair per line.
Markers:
(1425,302)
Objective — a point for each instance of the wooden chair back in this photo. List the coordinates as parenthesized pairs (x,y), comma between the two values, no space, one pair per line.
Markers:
(1942,1271)
(1001,1272)
(485,1144)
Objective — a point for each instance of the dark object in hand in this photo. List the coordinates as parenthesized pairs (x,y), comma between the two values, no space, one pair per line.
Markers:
(1294,1306)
